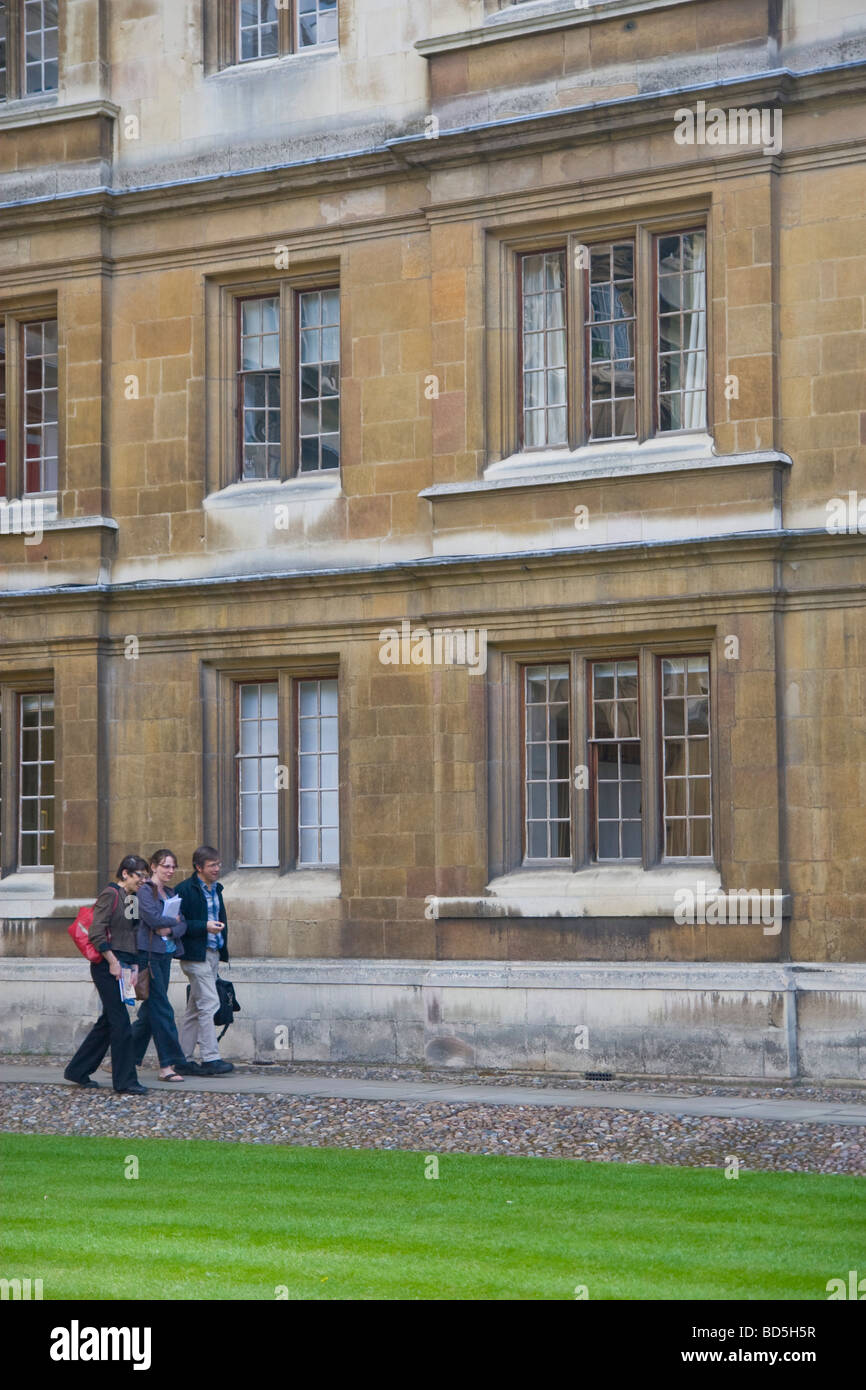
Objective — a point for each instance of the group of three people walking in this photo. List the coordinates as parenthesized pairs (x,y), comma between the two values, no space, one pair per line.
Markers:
(136,923)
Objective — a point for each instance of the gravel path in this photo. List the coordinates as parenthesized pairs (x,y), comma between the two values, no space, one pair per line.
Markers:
(433,1127)
(855,1093)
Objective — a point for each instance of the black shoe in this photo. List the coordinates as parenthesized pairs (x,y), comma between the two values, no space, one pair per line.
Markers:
(217,1068)
(188,1068)
(86,1083)
(132,1091)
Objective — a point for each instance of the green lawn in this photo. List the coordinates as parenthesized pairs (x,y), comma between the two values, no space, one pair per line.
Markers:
(233,1221)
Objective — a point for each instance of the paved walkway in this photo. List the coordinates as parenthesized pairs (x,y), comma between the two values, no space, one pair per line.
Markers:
(337,1088)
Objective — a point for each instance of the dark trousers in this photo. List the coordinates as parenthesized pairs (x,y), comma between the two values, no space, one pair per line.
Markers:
(156,1016)
(112,1029)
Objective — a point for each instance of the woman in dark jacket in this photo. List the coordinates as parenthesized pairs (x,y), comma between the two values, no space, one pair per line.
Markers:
(113,932)
(160,939)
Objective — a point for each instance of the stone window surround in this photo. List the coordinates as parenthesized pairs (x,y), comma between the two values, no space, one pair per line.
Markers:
(18,310)
(504,766)
(221,294)
(220,39)
(219,815)
(12,686)
(504,247)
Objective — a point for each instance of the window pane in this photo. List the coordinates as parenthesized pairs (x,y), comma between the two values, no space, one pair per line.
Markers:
(547,786)
(259,388)
(39,344)
(330,845)
(256,782)
(318,772)
(543,349)
(610,337)
(686,756)
(36,780)
(318,381)
(681,367)
(617,759)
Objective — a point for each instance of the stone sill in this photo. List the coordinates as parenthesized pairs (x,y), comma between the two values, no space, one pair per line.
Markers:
(47,109)
(513,21)
(28,897)
(280,60)
(80,523)
(552,466)
(272,492)
(619,891)
(299,885)
(694,976)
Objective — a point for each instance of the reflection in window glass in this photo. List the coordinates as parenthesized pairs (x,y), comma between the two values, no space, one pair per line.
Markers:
(547,751)
(257,760)
(682,331)
(40,46)
(543,350)
(318,773)
(610,348)
(36,774)
(615,741)
(317,22)
(686,737)
(259,387)
(319,380)
(40,405)
(259,29)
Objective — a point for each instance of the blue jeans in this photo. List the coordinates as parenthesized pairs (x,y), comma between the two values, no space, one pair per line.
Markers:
(156,1016)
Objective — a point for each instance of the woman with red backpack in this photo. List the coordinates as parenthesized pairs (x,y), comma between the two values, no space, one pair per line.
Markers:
(113,934)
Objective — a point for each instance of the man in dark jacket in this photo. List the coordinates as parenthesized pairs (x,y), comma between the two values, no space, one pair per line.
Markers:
(205,945)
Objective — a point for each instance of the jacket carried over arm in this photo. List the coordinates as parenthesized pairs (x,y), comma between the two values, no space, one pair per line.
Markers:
(150,910)
(111,929)
(193,905)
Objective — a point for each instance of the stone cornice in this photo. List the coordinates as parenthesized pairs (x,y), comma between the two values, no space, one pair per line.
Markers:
(625,118)
(775,545)
(622,118)
(30,114)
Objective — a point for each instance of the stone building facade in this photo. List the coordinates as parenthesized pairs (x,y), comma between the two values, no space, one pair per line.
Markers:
(432,442)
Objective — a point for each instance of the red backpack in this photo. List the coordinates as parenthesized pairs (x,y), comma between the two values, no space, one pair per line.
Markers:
(78,931)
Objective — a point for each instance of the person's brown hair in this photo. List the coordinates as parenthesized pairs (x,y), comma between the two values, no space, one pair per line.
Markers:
(203,854)
(160,855)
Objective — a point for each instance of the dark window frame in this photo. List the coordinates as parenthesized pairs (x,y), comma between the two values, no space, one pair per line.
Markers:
(16,63)
(644,234)
(16,319)
(507,768)
(220,688)
(223,421)
(12,689)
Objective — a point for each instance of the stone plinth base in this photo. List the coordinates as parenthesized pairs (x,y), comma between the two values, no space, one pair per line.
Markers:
(763,1022)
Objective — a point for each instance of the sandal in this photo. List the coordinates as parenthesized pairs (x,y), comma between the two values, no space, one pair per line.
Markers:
(172,1076)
